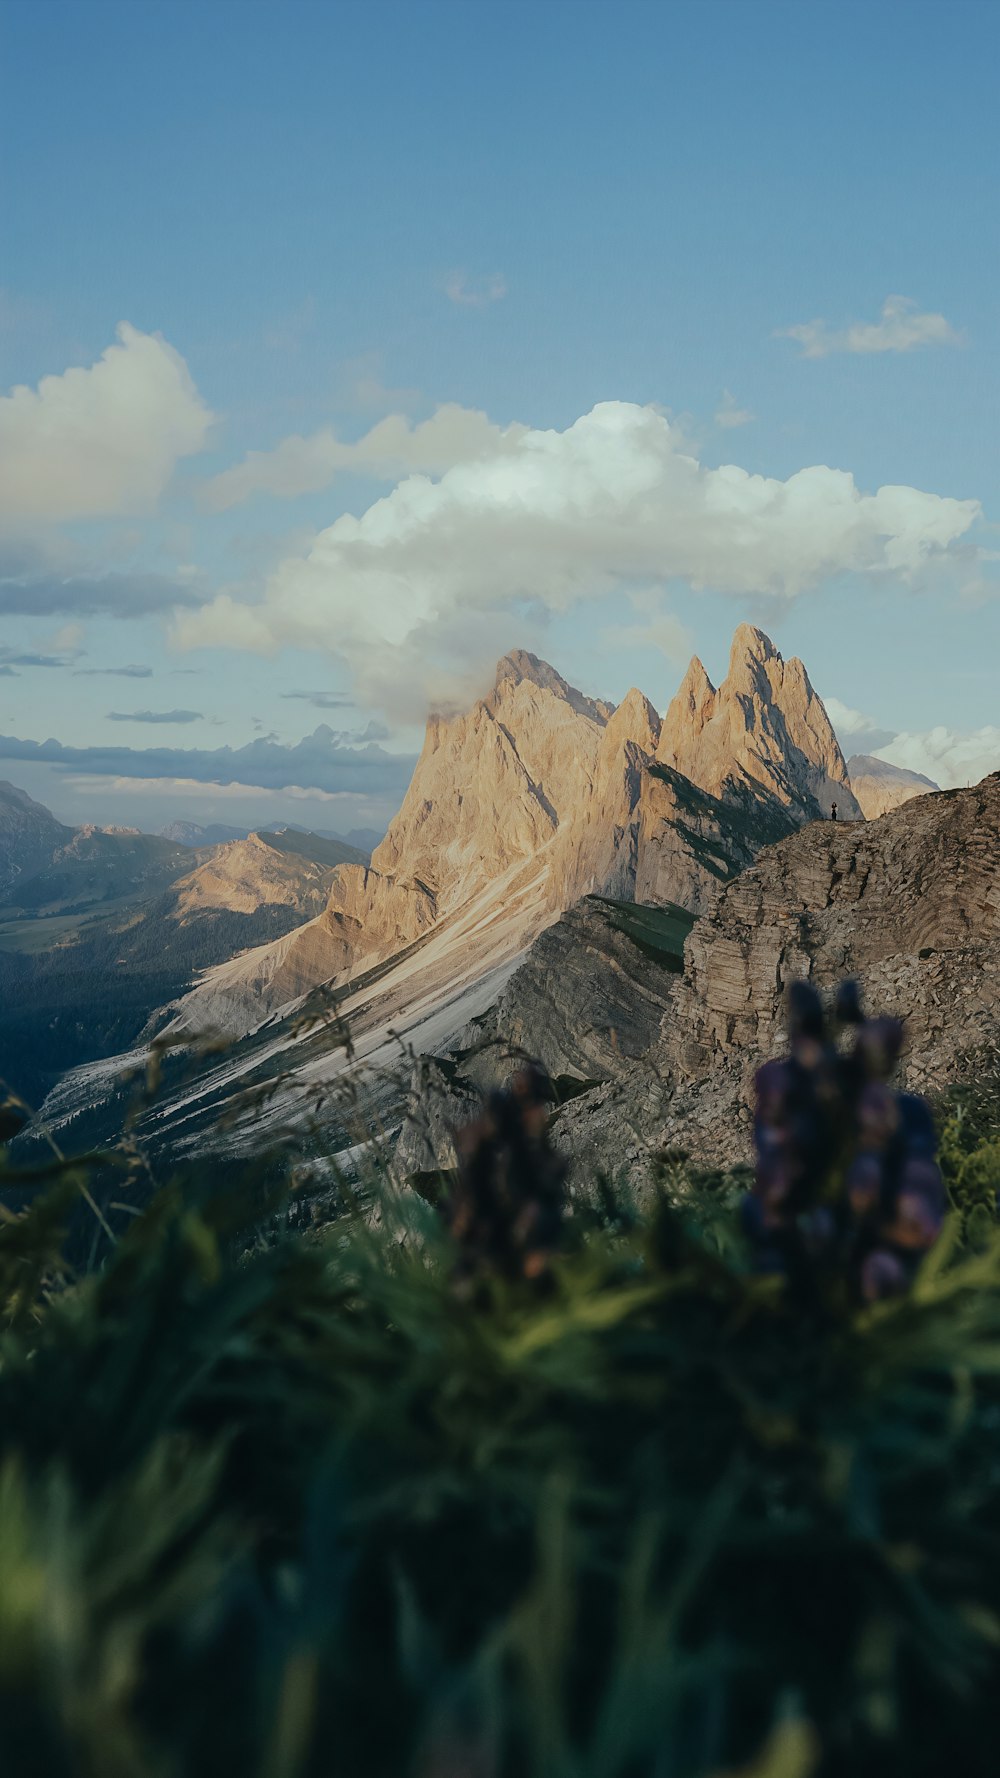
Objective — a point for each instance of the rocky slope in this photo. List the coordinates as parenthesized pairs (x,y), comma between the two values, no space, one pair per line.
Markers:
(910,904)
(880,786)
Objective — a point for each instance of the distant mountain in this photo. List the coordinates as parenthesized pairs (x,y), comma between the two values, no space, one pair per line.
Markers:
(100,927)
(82,987)
(364,838)
(288,869)
(880,786)
(191,833)
(359,842)
(93,866)
(29,836)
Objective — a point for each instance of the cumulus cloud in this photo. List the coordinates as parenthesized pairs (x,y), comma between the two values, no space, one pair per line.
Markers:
(470,293)
(319,762)
(155,716)
(856,732)
(949,757)
(99,440)
(392,448)
(432,581)
(901,327)
(730,414)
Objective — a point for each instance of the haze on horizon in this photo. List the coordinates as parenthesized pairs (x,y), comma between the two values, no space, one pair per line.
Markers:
(343,352)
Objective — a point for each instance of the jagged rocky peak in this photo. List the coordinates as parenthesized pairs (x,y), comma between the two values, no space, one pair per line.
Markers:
(764,728)
(493,784)
(539,794)
(521,665)
(636,720)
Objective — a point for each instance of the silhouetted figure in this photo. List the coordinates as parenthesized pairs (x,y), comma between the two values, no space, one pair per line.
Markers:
(833,812)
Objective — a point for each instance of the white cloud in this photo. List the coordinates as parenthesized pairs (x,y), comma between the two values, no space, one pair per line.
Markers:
(856,732)
(467,293)
(949,757)
(901,328)
(845,720)
(419,592)
(730,414)
(392,448)
(99,440)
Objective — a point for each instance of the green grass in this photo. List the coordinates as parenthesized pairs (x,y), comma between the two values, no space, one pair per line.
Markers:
(31,934)
(287,1507)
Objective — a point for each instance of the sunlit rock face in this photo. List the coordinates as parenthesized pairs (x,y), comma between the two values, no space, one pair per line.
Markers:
(539,795)
(880,786)
(764,726)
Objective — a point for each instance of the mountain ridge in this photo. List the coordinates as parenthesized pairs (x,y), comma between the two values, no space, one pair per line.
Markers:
(536,771)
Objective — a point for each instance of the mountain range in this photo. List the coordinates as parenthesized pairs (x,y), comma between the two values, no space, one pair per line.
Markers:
(566,877)
(99,927)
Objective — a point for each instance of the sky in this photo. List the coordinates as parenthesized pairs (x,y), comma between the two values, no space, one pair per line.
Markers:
(345,346)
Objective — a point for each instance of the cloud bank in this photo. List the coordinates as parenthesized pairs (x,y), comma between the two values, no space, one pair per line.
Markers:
(421,592)
(48,593)
(946,755)
(318,762)
(902,327)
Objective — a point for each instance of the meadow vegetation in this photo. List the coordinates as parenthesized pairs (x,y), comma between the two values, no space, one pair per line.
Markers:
(286,1504)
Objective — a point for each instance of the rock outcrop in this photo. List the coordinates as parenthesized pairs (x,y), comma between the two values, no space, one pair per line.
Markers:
(909,904)
(880,786)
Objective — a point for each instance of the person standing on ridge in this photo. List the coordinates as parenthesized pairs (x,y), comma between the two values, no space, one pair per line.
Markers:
(833,812)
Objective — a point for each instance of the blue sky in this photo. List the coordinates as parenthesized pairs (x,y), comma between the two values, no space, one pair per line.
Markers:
(314,217)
